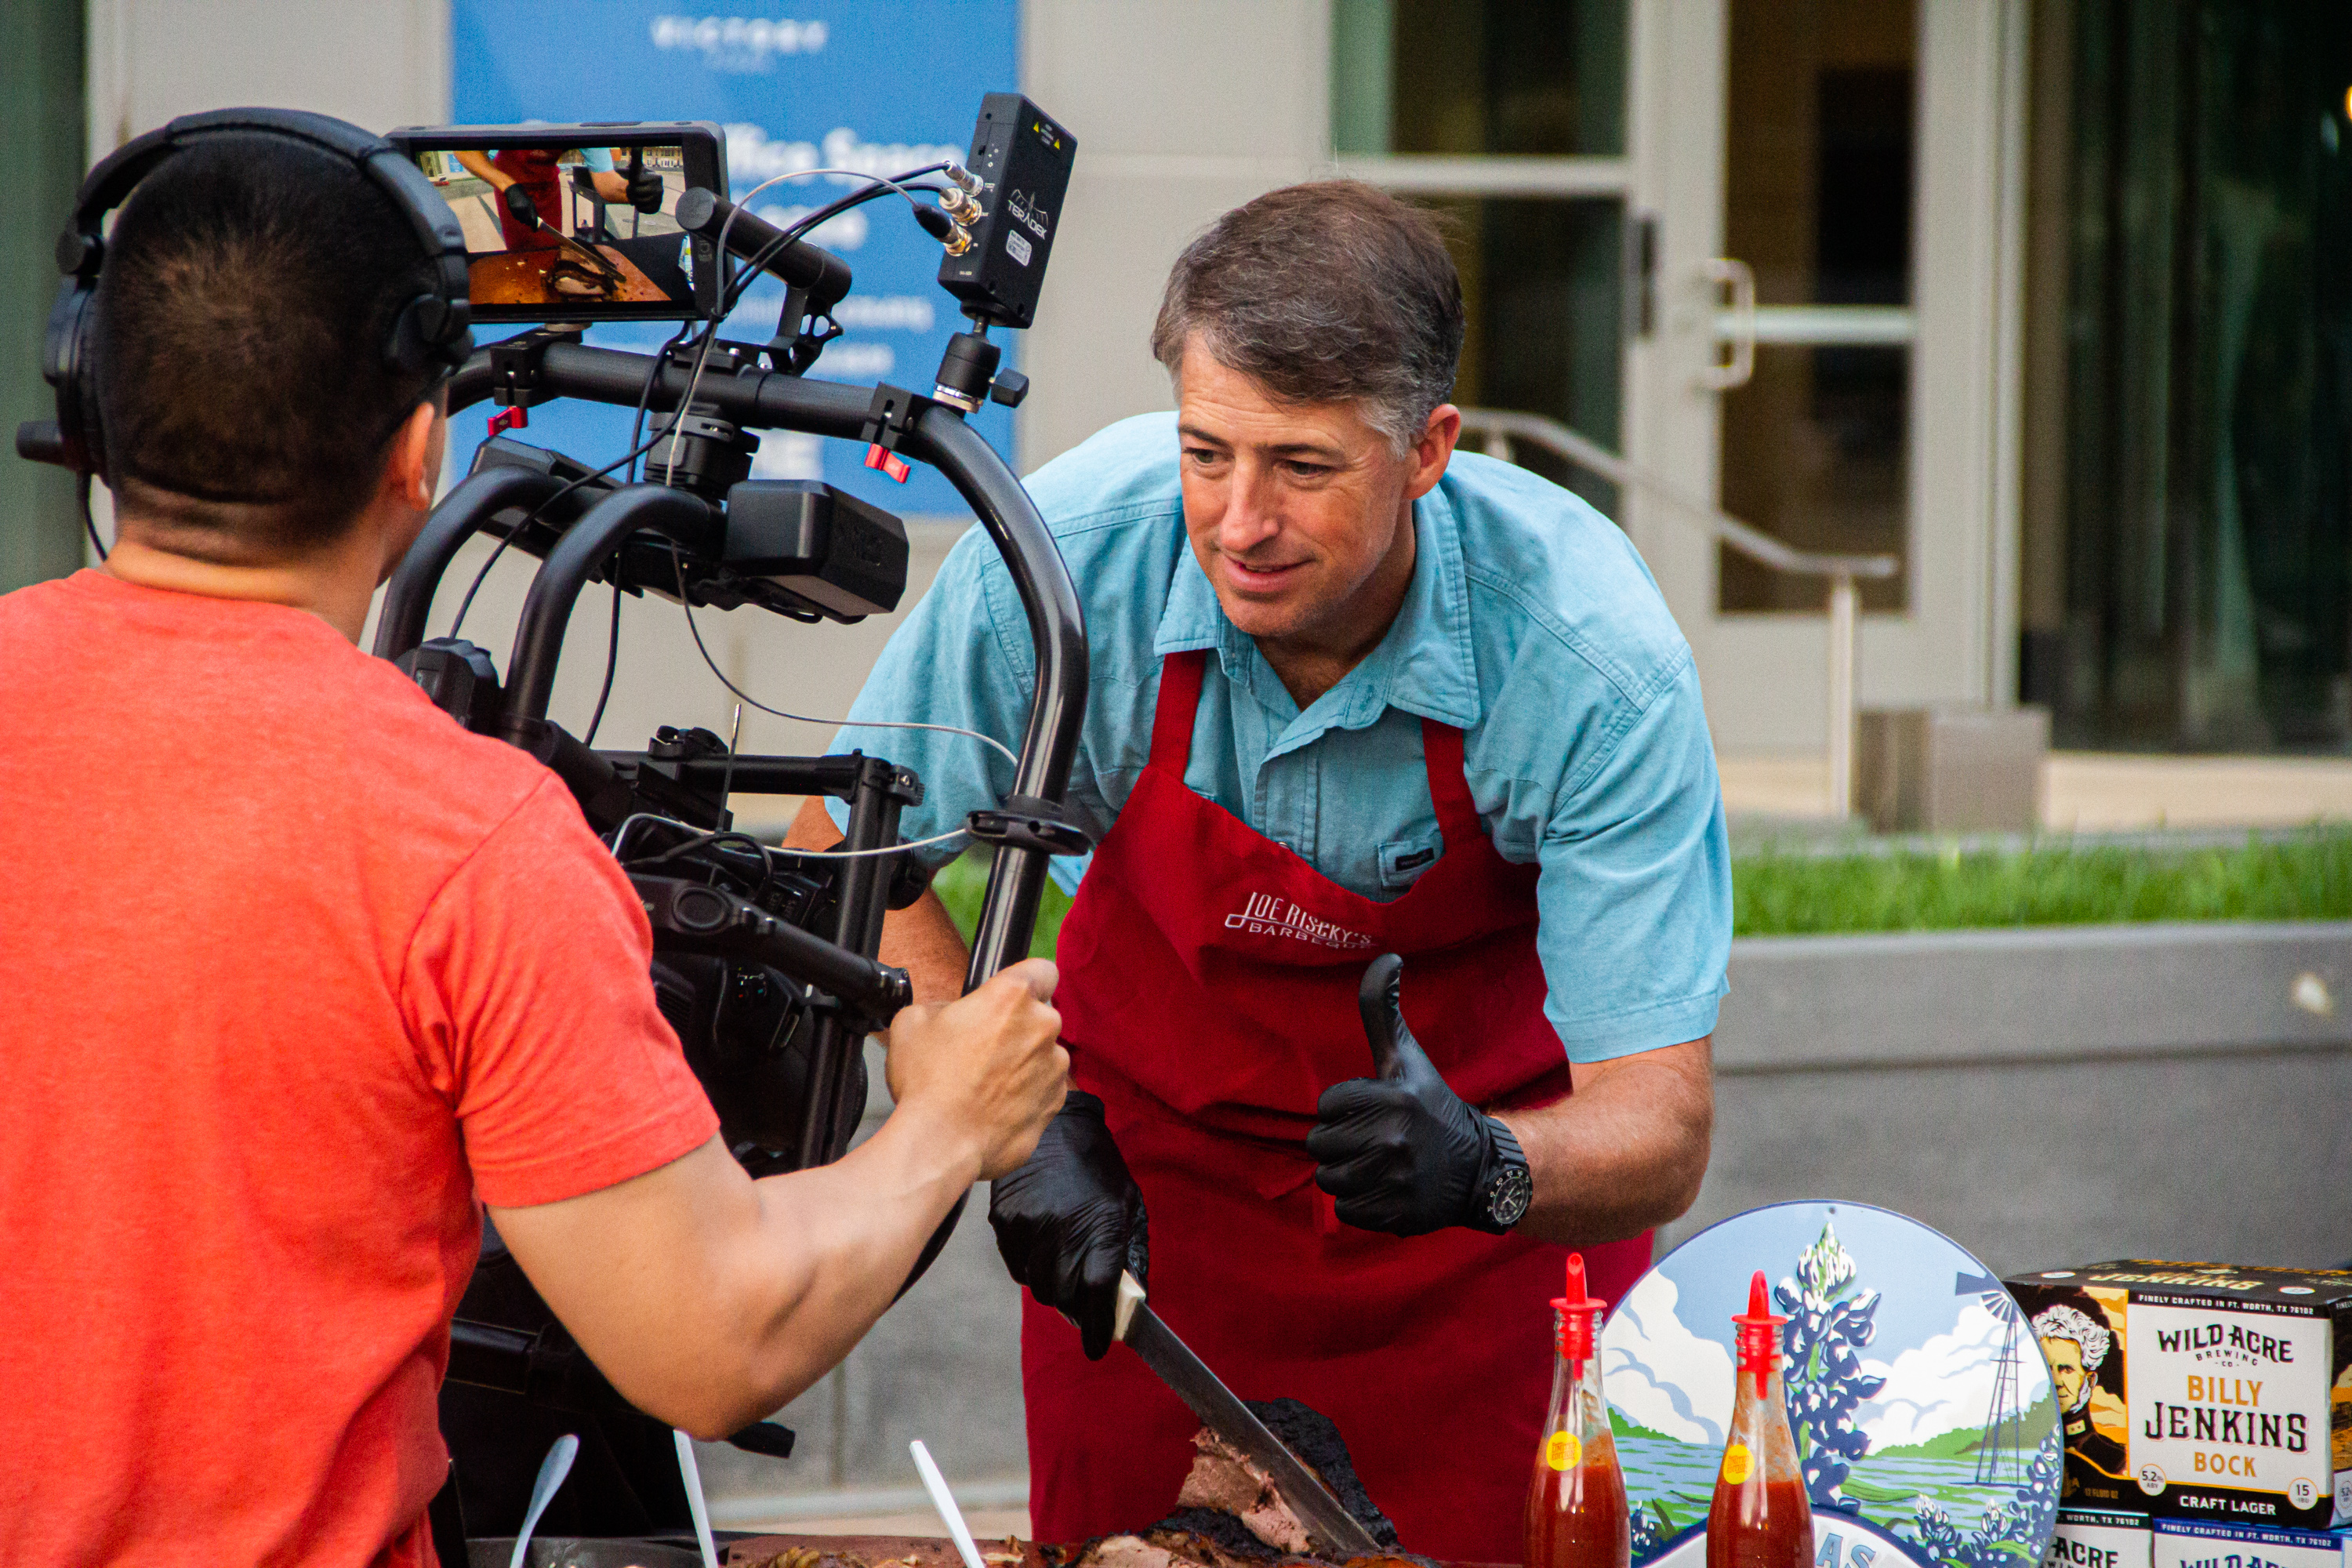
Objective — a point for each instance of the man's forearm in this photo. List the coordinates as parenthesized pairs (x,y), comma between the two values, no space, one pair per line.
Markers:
(1622,1154)
(711,1300)
(856,1226)
(786,1273)
(482,169)
(920,938)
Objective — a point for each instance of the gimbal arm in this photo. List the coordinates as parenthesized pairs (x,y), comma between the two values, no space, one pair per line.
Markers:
(763,399)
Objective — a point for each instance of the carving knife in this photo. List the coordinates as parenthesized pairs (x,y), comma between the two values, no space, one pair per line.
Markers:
(1140,1329)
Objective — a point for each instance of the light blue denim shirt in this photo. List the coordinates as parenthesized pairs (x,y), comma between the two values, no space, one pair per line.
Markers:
(1530,624)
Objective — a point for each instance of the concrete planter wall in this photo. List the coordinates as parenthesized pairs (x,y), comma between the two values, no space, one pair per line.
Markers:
(2052,1096)
(2043,1097)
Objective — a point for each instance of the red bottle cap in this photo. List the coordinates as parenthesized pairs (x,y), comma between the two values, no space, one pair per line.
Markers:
(1759,1328)
(1579,1313)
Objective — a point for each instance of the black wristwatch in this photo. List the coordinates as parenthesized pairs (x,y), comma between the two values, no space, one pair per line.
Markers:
(1504,1192)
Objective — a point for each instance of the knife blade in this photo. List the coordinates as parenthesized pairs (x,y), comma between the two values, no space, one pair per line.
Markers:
(1140,1327)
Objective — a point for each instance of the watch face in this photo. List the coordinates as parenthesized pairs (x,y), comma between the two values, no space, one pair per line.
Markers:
(1507,1195)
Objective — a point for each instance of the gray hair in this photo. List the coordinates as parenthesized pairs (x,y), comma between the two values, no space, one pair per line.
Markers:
(2068,1324)
(1329,292)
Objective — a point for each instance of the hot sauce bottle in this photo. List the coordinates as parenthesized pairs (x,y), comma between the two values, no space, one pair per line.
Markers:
(1576,1505)
(1760,1518)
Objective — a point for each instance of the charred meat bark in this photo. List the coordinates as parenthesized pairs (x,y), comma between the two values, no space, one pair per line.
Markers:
(1230,1514)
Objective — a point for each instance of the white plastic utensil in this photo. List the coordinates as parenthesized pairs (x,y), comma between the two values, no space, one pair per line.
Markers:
(552,1471)
(944,1501)
(691,1473)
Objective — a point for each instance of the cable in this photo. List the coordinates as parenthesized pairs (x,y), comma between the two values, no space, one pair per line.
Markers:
(90,519)
(858,853)
(468,603)
(751,269)
(873,182)
(678,563)
(732,286)
(695,839)
(669,469)
(612,662)
(700,837)
(646,392)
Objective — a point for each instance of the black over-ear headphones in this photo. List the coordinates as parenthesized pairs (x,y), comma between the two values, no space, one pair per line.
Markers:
(430,332)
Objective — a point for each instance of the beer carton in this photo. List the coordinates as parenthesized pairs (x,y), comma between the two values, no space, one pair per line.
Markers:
(2090,1538)
(2190,1544)
(2200,1391)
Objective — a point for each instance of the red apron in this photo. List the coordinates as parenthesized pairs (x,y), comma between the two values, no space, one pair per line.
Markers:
(535,170)
(1209,998)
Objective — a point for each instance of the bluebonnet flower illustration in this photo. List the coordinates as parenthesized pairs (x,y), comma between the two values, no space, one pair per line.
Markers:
(2006,1536)
(1651,1529)
(2028,1519)
(1831,1321)
(1936,1539)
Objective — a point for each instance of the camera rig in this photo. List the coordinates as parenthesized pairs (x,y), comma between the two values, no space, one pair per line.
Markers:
(765,958)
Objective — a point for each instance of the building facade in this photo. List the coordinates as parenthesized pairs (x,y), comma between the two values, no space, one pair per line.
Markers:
(2049,300)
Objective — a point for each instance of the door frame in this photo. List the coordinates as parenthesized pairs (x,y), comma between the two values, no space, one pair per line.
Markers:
(1765,674)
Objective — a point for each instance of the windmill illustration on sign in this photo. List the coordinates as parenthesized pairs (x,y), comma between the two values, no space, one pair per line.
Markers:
(2004,1424)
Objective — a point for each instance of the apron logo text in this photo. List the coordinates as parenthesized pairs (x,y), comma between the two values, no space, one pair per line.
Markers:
(1268,914)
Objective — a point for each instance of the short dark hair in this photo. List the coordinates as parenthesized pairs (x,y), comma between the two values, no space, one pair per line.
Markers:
(1333,291)
(249,290)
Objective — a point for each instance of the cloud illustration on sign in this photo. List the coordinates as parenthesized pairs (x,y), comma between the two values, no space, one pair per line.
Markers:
(1661,1374)
(1946,1384)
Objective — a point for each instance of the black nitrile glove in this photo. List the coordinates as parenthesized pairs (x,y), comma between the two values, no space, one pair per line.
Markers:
(645,191)
(518,203)
(1401,1152)
(1071,1218)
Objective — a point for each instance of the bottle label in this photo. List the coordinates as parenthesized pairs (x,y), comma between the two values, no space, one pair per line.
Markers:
(1738,1463)
(1563,1451)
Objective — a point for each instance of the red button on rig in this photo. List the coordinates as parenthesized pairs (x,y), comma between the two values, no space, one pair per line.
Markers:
(880,456)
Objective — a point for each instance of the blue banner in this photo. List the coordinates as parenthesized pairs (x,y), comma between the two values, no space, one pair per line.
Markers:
(870,88)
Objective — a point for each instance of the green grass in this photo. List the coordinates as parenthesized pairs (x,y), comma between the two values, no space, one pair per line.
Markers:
(2303,878)
(1958,1445)
(2307,877)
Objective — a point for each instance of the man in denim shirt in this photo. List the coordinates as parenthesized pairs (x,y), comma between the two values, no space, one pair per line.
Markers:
(1351,694)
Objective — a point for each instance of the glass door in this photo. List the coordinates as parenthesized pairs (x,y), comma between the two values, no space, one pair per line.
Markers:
(1818,216)
(1507,117)
(1834,326)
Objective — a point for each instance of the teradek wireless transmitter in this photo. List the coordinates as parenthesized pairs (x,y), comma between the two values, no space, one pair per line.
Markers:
(1022,159)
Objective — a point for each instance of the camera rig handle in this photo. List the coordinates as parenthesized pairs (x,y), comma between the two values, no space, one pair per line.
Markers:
(408,599)
(570,567)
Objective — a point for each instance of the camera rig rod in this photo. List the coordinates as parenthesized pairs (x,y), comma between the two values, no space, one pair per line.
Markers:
(702,919)
(821,277)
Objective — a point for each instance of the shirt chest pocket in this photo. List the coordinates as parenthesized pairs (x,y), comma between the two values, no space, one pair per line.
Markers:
(1403,861)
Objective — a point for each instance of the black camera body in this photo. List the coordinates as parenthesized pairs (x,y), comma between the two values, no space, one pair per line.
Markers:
(821,545)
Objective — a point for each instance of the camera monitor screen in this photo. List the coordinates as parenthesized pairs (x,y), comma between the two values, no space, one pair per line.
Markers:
(572,223)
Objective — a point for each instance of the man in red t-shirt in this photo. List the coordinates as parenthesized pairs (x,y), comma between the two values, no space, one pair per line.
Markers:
(298,974)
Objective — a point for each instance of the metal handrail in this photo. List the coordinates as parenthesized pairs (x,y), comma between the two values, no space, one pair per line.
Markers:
(1586,453)
(1497,428)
